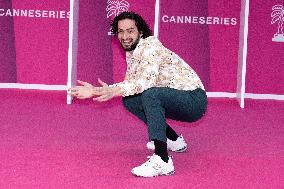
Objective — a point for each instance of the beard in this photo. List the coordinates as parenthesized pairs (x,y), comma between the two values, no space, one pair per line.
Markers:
(132,46)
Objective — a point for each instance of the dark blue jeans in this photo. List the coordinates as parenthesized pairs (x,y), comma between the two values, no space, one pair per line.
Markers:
(156,104)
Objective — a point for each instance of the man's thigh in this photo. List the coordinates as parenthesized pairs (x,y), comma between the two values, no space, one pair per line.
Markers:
(183,105)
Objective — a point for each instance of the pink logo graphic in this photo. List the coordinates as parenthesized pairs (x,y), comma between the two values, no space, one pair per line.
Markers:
(115,7)
(278,17)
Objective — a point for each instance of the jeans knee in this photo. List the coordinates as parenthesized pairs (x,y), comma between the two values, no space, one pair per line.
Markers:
(150,97)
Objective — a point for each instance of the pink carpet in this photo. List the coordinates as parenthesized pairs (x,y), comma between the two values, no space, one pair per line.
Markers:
(47,144)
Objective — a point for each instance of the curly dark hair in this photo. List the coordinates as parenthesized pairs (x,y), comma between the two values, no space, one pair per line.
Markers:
(139,21)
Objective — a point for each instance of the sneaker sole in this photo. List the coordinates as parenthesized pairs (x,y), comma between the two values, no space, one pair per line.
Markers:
(163,174)
(180,150)
(169,173)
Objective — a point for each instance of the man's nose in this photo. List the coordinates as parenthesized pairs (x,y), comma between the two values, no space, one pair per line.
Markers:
(125,36)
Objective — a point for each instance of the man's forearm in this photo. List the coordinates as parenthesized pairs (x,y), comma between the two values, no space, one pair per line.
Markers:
(107,90)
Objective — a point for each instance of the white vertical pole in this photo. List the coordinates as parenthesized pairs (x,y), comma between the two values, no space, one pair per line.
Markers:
(242,57)
(157,16)
(73,46)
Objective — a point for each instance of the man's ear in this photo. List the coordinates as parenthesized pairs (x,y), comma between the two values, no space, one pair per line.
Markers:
(141,34)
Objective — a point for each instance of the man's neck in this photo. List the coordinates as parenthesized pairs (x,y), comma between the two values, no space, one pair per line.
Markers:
(131,52)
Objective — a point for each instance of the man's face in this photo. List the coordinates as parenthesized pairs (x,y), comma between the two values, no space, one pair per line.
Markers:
(128,34)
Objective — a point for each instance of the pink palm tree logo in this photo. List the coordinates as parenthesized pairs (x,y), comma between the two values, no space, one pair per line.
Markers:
(278,16)
(115,7)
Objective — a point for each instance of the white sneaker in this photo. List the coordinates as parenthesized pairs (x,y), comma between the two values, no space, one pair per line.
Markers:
(176,146)
(155,166)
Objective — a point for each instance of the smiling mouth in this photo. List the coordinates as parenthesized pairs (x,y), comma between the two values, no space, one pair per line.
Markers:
(127,42)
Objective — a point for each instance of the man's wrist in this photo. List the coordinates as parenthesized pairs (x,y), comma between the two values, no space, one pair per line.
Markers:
(117,91)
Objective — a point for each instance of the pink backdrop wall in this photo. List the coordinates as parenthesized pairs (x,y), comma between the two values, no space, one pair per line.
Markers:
(265,61)
(224,45)
(41,44)
(94,45)
(35,49)
(7,46)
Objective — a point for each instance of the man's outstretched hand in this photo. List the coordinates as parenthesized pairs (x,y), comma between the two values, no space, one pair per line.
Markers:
(103,93)
(85,90)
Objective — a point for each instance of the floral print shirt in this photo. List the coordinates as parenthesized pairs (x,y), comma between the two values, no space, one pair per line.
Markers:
(153,65)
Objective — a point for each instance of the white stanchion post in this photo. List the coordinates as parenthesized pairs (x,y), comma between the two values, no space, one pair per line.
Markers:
(157,17)
(242,57)
(73,46)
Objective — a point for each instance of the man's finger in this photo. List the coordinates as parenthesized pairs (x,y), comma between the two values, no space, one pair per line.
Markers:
(102,83)
(72,90)
(83,83)
(101,98)
(80,97)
